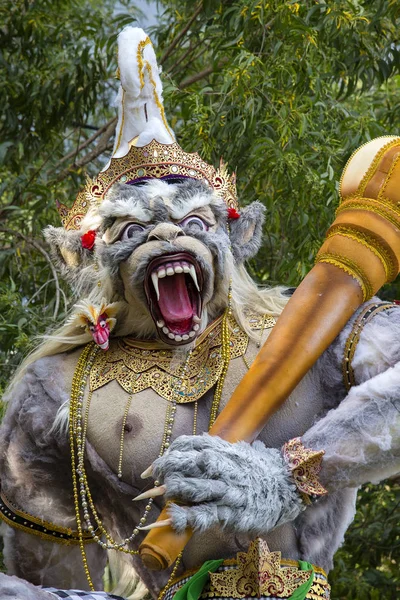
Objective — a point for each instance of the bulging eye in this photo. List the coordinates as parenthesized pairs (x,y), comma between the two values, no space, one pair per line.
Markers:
(194,222)
(130,230)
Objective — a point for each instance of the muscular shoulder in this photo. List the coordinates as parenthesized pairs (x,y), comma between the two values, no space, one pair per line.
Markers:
(379,345)
(376,343)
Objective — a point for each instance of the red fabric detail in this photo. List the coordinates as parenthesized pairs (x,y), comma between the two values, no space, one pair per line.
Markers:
(233,213)
(88,239)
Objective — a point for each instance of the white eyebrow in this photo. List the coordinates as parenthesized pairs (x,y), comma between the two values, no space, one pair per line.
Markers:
(127,207)
(178,211)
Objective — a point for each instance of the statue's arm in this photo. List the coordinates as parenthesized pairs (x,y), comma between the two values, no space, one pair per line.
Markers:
(35,474)
(361,437)
(251,488)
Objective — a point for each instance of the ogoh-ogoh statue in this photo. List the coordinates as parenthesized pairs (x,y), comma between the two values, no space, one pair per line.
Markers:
(246,416)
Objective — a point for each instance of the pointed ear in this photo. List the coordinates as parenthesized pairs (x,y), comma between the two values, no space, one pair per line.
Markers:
(67,252)
(246,232)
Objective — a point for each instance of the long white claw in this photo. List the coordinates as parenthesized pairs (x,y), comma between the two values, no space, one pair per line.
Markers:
(156,525)
(192,271)
(156,491)
(154,278)
(147,472)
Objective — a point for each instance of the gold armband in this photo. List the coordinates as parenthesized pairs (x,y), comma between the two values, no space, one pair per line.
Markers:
(351,268)
(364,240)
(373,242)
(305,465)
(365,316)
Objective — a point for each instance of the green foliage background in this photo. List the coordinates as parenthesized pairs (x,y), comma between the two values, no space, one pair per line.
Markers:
(283,90)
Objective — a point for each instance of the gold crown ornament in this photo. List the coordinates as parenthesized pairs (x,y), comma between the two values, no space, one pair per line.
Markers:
(145,146)
(167,162)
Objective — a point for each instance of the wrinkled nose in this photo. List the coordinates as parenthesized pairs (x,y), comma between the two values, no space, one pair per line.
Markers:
(166,232)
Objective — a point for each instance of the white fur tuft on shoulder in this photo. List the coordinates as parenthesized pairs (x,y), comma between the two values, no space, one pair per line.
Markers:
(121,579)
(61,422)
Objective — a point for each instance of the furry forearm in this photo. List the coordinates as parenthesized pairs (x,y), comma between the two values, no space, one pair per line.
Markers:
(361,438)
(244,488)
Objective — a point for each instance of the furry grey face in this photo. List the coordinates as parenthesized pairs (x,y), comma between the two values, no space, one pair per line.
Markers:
(165,250)
(168,250)
(168,246)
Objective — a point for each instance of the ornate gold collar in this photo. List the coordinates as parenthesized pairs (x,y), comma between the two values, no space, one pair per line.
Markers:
(137,365)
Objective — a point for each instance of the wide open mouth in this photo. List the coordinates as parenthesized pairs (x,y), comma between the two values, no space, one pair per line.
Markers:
(173,286)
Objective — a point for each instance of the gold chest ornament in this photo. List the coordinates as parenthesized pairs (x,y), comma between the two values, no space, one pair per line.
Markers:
(137,365)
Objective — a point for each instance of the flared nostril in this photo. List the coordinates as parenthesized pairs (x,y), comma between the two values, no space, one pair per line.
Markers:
(165,232)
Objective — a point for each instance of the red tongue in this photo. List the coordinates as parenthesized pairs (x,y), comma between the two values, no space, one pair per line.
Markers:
(174,303)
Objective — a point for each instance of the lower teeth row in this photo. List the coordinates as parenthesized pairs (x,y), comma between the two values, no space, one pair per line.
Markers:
(177,337)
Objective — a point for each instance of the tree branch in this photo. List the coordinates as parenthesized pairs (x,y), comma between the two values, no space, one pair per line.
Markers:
(201,75)
(85,126)
(181,34)
(196,77)
(40,249)
(184,55)
(100,147)
(86,143)
(192,60)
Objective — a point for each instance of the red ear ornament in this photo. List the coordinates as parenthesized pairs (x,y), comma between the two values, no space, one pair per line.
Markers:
(233,213)
(88,239)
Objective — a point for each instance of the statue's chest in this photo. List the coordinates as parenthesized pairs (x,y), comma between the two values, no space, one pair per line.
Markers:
(132,439)
(130,414)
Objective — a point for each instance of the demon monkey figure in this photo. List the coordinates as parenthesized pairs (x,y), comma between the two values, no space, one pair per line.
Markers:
(168,326)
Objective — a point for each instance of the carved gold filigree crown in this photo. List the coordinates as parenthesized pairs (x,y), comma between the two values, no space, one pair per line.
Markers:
(154,161)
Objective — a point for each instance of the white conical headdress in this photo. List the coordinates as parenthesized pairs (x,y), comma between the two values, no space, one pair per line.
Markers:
(141,116)
(145,146)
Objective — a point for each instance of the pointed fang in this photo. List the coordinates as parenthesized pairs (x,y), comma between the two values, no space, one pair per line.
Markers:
(156,491)
(156,525)
(154,278)
(147,473)
(192,271)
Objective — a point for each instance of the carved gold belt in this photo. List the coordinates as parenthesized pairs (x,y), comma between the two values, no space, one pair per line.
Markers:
(19,519)
(258,573)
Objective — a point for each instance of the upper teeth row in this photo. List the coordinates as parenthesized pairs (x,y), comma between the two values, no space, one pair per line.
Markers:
(171,269)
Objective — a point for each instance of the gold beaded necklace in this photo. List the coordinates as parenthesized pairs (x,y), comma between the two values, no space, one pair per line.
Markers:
(78,431)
